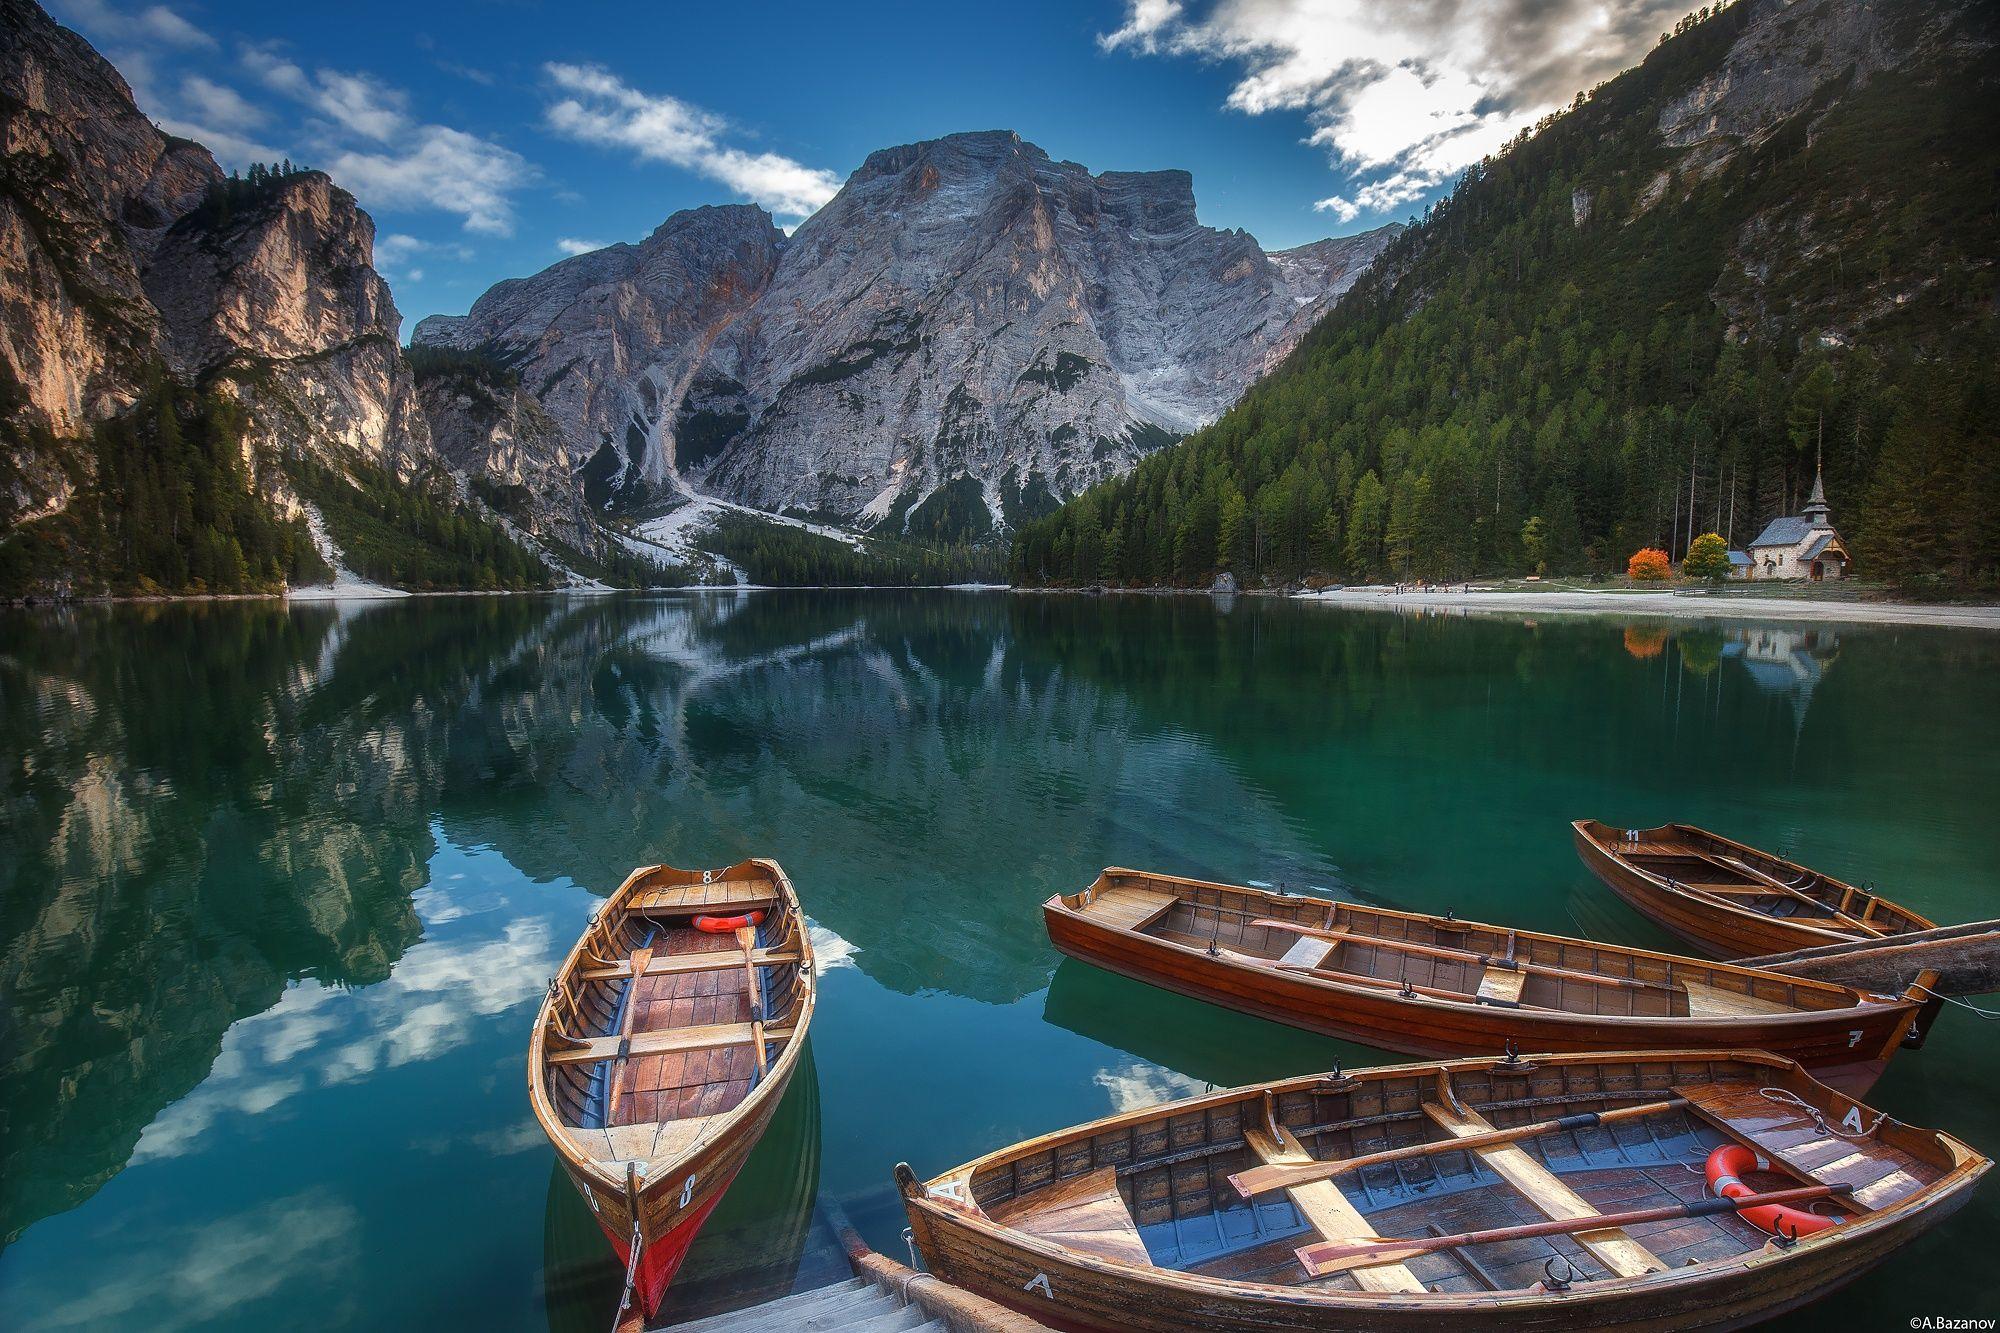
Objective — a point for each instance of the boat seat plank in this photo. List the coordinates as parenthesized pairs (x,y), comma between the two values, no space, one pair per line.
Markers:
(676,965)
(662,1043)
(1612,1247)
(1082,1213)
(1329,1211)
(1308,951)
(1880,1175)
(1707,1001)
(721,896)
(1503,984)
(1129,906)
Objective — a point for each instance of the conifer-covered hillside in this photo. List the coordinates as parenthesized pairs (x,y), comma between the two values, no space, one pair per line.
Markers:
(1773,240)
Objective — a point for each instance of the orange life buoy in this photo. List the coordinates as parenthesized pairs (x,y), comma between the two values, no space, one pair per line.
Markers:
(1725,1168)
(722,925)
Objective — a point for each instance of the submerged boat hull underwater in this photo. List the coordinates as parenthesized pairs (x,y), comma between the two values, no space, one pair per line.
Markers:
(1730,899)
(663,1049)
(1437,986)
(1135,1221)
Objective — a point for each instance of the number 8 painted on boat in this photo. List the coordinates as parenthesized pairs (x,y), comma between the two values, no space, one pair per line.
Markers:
(687,1192)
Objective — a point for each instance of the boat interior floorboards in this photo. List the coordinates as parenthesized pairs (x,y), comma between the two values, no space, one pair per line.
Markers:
(1645,1164)
(683,1084)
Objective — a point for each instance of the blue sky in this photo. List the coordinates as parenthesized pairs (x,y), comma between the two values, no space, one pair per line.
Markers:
(488,139)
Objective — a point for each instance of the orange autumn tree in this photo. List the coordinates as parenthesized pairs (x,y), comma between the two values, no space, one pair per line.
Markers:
(1649,565)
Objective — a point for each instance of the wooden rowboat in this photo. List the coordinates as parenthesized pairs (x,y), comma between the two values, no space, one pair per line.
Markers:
(1552,1192)
(662,1050)
(1729,899)
(1438,986)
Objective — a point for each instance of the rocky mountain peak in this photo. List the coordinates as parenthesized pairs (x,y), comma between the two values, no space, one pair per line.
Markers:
(967,331)
(287,272)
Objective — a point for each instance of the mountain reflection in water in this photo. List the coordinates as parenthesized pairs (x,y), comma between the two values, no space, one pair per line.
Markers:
(283,885)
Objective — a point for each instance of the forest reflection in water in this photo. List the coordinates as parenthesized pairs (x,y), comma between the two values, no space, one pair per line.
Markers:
(284,884)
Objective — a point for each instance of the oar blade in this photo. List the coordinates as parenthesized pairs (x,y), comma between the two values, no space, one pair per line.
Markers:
(1328,1257)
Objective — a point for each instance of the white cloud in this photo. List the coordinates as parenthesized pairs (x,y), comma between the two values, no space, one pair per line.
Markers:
(1134,1086)
(357,102)
(156,24)
(570,245)
(1403,96)
(599,108)
(1142,28)
(830,951)
(232,150)
(442,168)
(204,1273)
(216,104)
(403,164)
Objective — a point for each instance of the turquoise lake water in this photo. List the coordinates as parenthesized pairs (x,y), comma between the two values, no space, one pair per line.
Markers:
(280,890)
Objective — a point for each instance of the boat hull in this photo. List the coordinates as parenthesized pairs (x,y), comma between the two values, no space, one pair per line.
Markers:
(674,1207)
(660,1262)
(985,1260)
(1719,930)
(976,1226)
(1846,1049)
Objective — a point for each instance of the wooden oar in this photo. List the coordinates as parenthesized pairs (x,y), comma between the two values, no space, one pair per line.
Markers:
(1464,956)
(1338,1256)
(1259,1179)
(1802,896)
(746,940)
(1395,984)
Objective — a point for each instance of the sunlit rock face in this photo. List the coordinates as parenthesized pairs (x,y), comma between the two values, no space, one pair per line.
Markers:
(119,261)
(967,325)
(89,187)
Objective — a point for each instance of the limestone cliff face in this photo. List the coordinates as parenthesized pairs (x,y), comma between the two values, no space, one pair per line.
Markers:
(284,299)
(498,434)
(965,314)
(1793,65)
(608,341)
(87,186)
(969,313)
(125,254)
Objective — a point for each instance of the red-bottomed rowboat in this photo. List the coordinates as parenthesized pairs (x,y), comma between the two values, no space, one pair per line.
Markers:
(664,1047)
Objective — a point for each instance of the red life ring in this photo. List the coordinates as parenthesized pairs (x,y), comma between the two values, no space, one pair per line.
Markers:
(1725,1167)
(722,925)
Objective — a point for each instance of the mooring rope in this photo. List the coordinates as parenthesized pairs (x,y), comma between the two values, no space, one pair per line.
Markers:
(1988,1014)
(1789,1097)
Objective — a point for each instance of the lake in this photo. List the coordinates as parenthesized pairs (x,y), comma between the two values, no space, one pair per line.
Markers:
(283,888)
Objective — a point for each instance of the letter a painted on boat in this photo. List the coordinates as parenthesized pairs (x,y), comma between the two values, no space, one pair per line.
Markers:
(1852,1120)
(1039,1282)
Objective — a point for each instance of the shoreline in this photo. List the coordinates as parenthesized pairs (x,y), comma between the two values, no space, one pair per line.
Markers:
(1687,604)
(1678,605)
